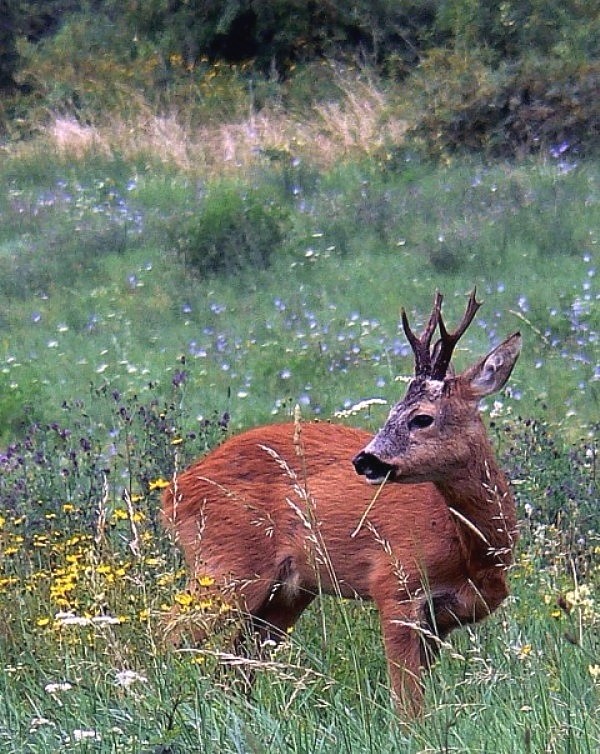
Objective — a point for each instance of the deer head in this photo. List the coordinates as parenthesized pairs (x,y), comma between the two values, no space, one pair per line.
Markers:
(435,431)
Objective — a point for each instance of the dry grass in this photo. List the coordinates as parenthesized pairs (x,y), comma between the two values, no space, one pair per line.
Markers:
(360,123)
(71,138)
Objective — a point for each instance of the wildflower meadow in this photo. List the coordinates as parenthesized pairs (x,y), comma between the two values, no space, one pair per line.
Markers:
(148,311)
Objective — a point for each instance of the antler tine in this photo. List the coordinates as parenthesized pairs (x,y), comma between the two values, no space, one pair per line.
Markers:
(448,341)
(421,345)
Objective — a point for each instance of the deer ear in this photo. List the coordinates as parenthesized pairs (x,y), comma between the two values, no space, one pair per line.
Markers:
(491,373)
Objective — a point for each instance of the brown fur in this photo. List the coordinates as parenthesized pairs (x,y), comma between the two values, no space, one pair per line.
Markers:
(277,527)
(277,515)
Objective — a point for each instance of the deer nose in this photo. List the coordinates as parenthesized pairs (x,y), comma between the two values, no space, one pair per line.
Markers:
(360,462)
(368,465)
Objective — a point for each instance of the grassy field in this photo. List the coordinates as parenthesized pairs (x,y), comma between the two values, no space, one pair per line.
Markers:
(129,345)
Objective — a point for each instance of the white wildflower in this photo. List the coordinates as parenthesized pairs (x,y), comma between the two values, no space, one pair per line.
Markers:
(38,722)
(86,735)
(106,620)
(53,688)
(126,678)
(70,619)
(360,406)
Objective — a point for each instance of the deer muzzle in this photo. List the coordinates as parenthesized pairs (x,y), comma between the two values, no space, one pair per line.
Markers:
(372,468)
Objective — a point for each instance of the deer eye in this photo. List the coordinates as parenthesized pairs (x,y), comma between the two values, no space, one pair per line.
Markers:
(420,421)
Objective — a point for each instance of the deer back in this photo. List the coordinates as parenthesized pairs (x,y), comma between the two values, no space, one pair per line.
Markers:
(263,499)
(277,514)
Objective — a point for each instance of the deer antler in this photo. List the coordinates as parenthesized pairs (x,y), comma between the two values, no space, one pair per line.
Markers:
(421,346)
(447,342)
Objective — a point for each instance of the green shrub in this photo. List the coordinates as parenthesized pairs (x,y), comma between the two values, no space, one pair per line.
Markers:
(516,28)
(470,102)
(280,34)
(235,228)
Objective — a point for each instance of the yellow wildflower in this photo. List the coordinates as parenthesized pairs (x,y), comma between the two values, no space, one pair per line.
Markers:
(158,484)
(184,599)
(76,539)
(205,580)
(581,598)
(165,579)
(525,651)
(153,561)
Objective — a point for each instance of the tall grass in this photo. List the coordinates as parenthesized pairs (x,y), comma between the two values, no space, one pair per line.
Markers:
(361,119)
(88,580)
(121,360)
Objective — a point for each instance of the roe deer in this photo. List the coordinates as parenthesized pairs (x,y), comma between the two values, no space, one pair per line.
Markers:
(277,515)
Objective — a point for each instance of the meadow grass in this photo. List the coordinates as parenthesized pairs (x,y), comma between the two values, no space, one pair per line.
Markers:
(88,580)
(93,289)
(120,364)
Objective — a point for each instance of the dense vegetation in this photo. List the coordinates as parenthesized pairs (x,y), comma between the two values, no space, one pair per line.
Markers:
(127,354)
(506,77)
(196,237)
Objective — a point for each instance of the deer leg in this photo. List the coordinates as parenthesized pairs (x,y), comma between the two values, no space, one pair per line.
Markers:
(282,605)
(181,626)
(280,613)
(212,608)
(402,641)
(269,623)
(439,616)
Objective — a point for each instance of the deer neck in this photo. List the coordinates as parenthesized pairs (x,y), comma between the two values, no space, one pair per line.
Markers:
(483,507)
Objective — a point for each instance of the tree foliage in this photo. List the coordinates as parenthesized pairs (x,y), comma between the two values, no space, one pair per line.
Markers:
(9,58)
(282,33)
(473,58)
(285,32)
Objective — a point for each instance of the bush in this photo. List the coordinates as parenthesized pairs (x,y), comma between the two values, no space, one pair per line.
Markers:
(469,102)
(236,228)
(282,33)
